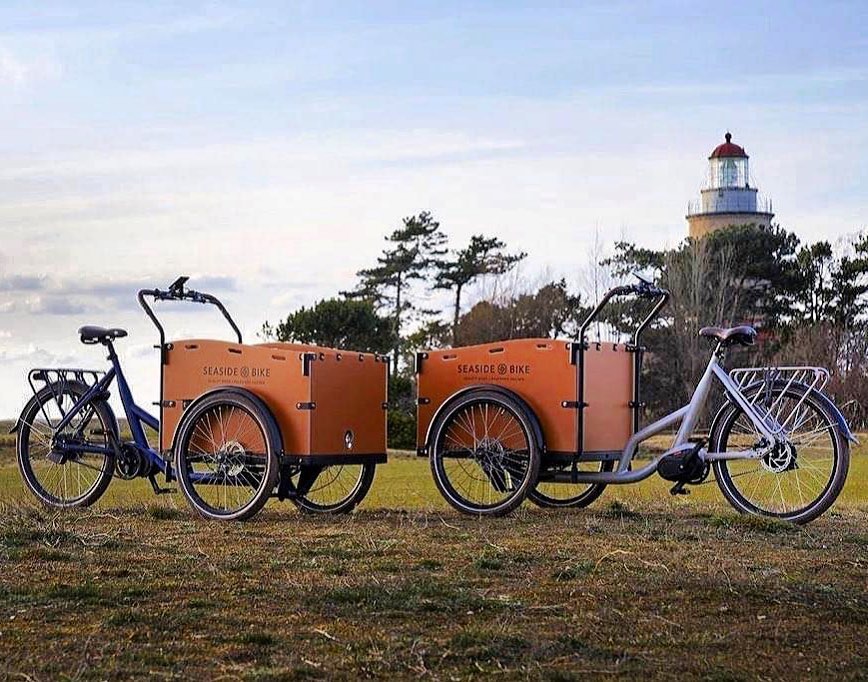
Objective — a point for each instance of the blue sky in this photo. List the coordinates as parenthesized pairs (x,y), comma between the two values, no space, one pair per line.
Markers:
(267,147)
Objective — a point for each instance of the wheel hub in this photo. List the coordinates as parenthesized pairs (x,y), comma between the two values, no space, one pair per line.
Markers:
(490,450)
(229,457)
(60,452)
(779,458)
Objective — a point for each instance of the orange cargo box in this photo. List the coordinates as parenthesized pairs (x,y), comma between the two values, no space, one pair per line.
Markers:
(545,374)
(326,402)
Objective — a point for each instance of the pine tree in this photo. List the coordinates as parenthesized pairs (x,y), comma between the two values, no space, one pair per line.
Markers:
(414,250)
(482,256)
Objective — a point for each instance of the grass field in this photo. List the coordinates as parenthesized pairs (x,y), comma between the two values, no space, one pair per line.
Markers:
(639,585)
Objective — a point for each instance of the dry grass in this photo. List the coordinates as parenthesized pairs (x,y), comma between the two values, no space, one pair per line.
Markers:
(641,584)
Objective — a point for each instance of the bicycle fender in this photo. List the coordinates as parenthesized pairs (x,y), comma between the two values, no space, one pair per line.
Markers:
(538,433)
(843,426)
(20,420)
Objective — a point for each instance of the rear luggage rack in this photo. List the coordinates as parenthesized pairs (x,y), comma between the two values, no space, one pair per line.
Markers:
(813,378)
(56,380)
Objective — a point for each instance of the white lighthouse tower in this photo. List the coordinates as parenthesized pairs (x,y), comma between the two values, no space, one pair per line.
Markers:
(728,197)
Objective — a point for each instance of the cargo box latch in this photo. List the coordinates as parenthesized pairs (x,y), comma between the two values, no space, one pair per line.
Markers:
(305,406)
(306,359)
(573,404)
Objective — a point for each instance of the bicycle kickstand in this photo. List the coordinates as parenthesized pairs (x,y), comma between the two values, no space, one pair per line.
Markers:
(157,489)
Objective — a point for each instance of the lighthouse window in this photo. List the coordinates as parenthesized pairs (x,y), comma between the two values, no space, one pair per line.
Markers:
(730,173)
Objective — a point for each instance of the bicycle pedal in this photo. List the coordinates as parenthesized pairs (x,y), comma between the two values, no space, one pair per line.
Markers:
(679,489)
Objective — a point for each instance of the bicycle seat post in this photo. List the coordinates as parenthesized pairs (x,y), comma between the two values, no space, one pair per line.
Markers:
(110,348)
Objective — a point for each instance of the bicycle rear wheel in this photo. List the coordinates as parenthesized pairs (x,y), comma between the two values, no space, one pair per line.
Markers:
(796,480)
(56,473)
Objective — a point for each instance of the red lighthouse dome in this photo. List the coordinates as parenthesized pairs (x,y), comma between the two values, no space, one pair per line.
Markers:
(729,149)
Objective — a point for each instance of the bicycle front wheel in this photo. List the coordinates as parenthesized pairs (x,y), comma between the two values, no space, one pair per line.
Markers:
(226,456)
(795,480)
(484,456)
(54,464)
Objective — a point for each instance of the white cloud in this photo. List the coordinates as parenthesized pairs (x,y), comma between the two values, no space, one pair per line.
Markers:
(32,354)
(286,152)
(17,71)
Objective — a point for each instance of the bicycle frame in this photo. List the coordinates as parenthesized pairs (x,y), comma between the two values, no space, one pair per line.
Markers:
(687,418)
(137,417)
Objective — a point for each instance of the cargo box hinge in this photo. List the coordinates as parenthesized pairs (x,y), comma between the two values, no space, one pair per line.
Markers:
(574,350)
(305,406)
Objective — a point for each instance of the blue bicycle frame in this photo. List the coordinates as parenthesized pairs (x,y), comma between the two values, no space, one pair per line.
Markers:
(137,417)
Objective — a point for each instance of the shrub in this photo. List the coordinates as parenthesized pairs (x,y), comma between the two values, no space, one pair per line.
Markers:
(402,430)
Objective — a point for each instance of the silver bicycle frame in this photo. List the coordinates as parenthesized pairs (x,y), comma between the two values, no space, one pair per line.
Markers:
(688,416)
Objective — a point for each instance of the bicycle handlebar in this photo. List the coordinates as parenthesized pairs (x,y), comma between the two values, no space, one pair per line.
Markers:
(177,292)
(644,289)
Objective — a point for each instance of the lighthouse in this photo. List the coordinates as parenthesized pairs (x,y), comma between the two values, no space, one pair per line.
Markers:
(728,198)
